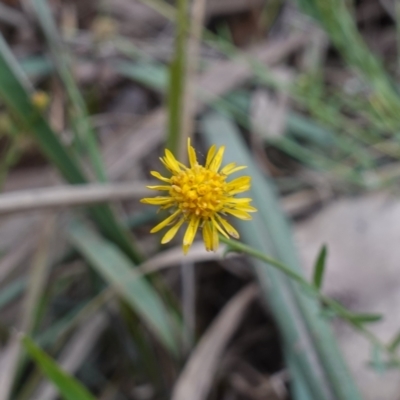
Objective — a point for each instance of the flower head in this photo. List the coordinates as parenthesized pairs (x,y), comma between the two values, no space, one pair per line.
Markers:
(201,197)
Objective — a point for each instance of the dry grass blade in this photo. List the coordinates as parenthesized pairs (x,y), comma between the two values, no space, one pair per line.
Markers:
(67,196)
(8,364)
(37,282)
(173,256)
(16,255)
(11,16)
(196,379)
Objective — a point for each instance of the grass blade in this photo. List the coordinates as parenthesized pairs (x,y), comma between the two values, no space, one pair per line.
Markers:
(341,27)
(118,270)
(69,387)
(298,316)
(15,93)
(83,130)
(319,268)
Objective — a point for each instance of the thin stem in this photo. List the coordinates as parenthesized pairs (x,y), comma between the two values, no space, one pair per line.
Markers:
(177,79)
(333,305)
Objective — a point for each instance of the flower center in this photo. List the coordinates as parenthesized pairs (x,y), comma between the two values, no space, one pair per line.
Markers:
(199,191)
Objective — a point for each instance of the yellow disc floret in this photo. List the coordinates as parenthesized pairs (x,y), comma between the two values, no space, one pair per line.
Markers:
(198,191)
(201,197)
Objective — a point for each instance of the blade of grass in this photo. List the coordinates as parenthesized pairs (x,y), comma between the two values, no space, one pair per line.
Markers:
(341,27)
(15,94)
(69,387)
(75,352)
(117,269)
(297,315)
(80,120)
(197,377)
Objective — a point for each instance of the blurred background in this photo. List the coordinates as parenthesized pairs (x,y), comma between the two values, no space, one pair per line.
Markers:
(304,93)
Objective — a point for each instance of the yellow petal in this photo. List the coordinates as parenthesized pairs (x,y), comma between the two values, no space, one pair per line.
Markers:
(215,239)
(190,233)
(227,168)
(246,207)
(159,187)
(228,227)
(239,182)
(239,200)
(172,232)
(171,161)
(208,236)
(192,155)
(231,168)
(242,189)
(157,201)
(216,162)
(159,176)
(210,155)
(166,222)
(219,228)
(237,213)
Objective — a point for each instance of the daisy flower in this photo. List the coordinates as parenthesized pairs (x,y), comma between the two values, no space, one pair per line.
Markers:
(200,197)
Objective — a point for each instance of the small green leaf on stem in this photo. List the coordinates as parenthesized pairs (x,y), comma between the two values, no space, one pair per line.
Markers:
(366,318)
(319,268)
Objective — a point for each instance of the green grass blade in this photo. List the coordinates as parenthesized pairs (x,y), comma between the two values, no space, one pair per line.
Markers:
(150,74)
(319,268)
(341,27)
(15,93)
(298,316)
(69,387)
(80,120)
(118,270)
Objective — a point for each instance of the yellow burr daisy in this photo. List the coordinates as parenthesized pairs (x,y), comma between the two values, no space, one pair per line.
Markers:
(200,197)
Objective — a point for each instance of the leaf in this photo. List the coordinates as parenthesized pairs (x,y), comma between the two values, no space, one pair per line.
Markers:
(297,315)
(150,74)
(319,268)
(112,264)
(366,318)
(84,133)
(69,387)
(15,92)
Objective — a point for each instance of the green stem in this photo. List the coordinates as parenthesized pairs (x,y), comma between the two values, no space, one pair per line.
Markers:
(177,79)
(333,305)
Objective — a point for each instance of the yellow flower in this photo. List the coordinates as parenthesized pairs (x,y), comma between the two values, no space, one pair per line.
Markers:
(200,196)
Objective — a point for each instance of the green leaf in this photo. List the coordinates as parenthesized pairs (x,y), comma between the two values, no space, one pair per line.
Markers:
(297,315)
(80,121)
(149,74)
(319,268)
(15,92)
(119,271)
(68,386)
(366,318)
